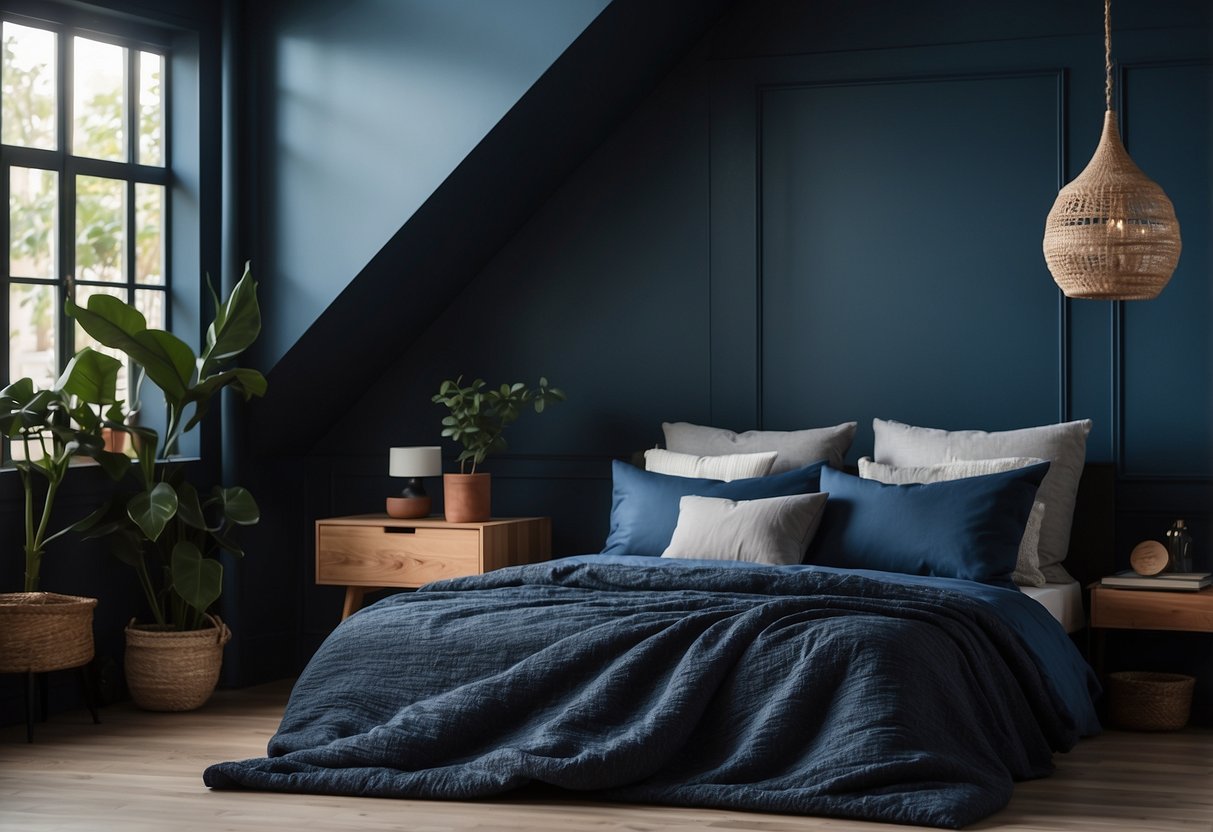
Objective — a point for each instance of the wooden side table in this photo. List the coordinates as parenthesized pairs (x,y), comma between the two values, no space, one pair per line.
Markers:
(367,552)
(1143,609)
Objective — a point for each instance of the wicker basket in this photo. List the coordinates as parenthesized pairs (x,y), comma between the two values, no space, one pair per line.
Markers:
(43,631)
(169,670)
(1150,701)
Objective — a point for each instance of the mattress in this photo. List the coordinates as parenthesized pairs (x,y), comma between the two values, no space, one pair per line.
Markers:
(1063,601)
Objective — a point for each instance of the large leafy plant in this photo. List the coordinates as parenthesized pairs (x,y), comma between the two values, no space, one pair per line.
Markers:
(479,414)
(169,532)
(52,427)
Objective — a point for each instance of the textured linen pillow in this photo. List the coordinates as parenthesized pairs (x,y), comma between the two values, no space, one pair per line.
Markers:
(727,467)
(1064,445)
(1028,573)
(968,528)
(796,448)
(775,530)
(644,505)
(1027,567)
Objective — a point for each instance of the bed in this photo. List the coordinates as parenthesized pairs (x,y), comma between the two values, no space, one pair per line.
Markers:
(811,688)
(1063,601)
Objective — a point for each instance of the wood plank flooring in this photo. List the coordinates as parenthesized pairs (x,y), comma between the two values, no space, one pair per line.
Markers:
(139,772)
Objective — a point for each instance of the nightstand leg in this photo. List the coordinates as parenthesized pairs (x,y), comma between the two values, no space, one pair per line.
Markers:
(353,601)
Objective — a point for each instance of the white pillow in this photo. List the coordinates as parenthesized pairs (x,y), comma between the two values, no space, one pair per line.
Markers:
(775,530)
(796,448)
(1063,445)
(727,467)
(1027,566)
(869,469)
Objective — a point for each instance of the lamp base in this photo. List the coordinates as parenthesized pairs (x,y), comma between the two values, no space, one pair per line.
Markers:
(408,508)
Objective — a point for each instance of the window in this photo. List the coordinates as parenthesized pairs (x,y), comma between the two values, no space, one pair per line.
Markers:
(85,176)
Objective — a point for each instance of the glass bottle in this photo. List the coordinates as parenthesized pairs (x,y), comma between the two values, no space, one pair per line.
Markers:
(1179,548)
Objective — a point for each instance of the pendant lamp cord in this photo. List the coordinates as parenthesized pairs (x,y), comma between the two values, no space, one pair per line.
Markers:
(1107,51)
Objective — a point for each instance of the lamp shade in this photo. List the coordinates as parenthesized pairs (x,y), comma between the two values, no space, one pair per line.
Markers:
(1112,233)
(415,462)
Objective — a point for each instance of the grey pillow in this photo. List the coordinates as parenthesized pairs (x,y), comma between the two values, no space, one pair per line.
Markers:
(1064,445)
(1027,565)
(796,448)
(727,467)
(775,530)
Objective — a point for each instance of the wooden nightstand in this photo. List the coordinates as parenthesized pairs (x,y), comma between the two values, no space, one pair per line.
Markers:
(1143,609)
(366,552)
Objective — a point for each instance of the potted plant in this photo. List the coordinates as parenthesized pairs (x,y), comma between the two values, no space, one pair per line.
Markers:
(478,416)
(166,530)
(44,631)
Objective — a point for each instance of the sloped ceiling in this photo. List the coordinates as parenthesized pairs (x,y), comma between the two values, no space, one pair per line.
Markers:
(574,105)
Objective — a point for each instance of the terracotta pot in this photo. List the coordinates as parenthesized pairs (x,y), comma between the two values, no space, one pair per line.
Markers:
(408,508)
(43,631)
(466,497)
(169,670)
(115,440)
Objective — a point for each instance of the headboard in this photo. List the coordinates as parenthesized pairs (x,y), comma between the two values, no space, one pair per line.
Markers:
(1093,532)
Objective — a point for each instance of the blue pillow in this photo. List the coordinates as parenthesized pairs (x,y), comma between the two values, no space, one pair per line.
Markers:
(644,505)
(968,528)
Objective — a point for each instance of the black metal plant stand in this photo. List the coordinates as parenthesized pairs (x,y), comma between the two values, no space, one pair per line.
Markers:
(37,698)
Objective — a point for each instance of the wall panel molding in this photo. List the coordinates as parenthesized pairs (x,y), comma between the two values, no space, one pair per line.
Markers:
(1135,326)
(738,283)
(1065,353)
(1060,76)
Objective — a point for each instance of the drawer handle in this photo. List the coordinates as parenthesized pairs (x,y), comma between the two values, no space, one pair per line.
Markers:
(399,530)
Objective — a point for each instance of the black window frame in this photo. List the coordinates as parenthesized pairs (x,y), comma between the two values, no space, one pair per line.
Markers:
(135,38)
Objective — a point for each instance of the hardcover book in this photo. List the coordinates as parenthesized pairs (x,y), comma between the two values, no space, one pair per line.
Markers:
(1181,581)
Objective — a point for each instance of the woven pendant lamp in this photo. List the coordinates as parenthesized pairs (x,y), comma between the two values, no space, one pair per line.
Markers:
(1112,233)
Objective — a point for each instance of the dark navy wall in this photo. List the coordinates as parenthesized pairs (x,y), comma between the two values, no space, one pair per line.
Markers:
(827,211)
(594,85)
(371,104)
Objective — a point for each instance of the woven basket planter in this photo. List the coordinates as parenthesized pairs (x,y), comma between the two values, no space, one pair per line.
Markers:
(44,631)
(168,670)
(1150,701)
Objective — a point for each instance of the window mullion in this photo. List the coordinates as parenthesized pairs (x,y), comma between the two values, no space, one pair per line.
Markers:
(67,252)
(131,96)
(67,194)
(166,216)
(5,345)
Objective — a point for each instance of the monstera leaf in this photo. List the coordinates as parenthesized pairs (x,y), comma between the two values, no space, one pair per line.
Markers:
(151,510)
(198,580)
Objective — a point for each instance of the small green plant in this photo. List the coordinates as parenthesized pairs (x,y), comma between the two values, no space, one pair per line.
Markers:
(52,427)
(479,414)
(167,530)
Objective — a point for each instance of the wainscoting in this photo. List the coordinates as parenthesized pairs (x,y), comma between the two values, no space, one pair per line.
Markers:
(810,221)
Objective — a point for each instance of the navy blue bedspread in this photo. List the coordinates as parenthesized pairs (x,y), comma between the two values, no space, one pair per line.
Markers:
(784,690)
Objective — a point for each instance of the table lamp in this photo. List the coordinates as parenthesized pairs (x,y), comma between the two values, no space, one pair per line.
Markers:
(413,464)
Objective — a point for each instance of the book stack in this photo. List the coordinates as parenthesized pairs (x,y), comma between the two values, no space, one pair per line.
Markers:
(1171,581)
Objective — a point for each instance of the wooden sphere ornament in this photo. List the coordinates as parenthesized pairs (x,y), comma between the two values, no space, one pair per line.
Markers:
(1149,557)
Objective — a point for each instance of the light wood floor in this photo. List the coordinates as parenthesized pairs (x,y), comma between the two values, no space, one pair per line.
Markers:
(140,772)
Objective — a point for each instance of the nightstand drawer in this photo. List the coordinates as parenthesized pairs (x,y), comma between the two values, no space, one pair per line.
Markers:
(1143,609)
(394,555)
